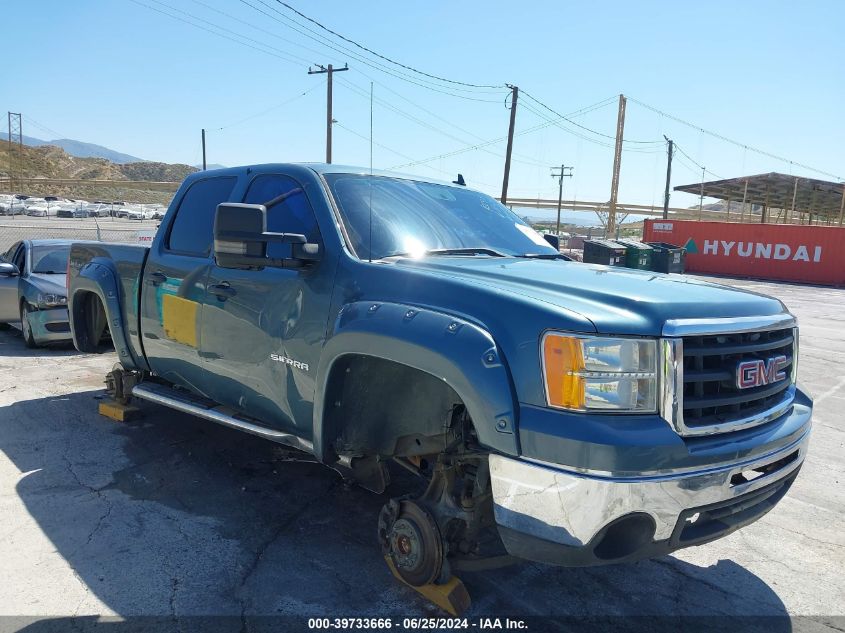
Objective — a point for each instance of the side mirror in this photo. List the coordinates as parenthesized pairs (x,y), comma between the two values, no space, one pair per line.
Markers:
(553,240)
(241,238)
(237,231)
(9,270)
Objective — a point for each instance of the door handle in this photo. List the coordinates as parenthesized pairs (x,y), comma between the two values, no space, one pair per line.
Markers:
(223,291)
(157,278)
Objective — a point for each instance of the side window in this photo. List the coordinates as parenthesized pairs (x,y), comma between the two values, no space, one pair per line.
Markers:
(20,258)
(192,228)
(288,210)
(9,255)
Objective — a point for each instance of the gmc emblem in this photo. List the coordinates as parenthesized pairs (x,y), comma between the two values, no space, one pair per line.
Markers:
(756,373)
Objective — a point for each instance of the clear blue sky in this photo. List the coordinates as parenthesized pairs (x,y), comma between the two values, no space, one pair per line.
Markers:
(768,74)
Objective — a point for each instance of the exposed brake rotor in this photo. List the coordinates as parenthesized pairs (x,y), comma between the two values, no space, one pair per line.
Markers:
(411,538)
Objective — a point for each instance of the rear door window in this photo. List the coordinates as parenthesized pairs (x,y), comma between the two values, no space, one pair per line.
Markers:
(191,232)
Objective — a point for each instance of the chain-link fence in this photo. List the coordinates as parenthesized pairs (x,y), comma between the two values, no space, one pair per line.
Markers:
(13,229)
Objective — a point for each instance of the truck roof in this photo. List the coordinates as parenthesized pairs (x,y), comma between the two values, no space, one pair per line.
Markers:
(321,168)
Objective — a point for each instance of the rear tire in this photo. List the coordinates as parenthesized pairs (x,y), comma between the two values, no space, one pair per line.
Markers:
(26,328)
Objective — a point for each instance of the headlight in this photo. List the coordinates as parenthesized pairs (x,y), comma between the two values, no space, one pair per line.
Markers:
(600,374)
(51,300)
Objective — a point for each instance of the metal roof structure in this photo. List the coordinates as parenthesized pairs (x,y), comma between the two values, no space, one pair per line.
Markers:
(822,200)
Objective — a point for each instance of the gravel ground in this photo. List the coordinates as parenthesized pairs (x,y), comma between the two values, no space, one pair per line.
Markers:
(171,516)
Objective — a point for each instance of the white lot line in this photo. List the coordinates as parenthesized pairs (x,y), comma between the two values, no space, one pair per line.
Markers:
(829,392)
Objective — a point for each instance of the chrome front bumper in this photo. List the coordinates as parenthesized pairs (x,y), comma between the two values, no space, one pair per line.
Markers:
(552,515)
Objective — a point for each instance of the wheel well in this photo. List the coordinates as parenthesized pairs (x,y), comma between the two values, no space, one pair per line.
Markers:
(89,321)
(375,406)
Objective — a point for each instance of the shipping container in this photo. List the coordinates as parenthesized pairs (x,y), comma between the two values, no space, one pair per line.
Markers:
(810,254)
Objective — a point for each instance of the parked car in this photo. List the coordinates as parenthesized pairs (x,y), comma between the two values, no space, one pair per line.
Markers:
(38,210)
(11,207)
(158,212)
(590,415)
(134,213)
(98,210)
(32,290)
(72,212)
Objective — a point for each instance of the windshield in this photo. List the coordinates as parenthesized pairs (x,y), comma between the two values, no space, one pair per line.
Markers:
(50,259)
(411,217)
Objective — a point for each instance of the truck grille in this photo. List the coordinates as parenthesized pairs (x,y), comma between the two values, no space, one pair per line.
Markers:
(711,398)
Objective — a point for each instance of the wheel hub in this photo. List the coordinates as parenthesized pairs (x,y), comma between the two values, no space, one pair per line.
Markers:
(406,544)
(411,539)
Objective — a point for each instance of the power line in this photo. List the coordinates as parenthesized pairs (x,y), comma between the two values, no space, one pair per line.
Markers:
(475,146)
(594,141)
(695,162)
(57,135)
(346,51)
(270,50)
(584,127)
(398,153)
(261,48)
(380,56)
(270,109)
(721,137)
(386,104)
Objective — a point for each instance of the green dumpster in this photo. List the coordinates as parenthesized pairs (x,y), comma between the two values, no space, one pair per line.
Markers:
(638,254)
(668,258)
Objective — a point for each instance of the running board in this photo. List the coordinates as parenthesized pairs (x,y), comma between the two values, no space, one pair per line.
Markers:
(168,397)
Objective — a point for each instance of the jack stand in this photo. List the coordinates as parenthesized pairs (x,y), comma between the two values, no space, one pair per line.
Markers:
(117,411)
(452,596)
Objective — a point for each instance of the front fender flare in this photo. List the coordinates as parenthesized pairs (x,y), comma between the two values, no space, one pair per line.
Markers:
(460,353)
(100,277)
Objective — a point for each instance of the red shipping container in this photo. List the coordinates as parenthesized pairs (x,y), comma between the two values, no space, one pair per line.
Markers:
(812,254)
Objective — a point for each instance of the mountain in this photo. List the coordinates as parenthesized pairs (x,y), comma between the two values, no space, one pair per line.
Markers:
(50,161)
(80,149)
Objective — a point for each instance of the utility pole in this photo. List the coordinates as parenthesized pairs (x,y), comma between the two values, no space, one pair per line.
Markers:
(617,163)
(671,149)
(560,176)
(203,150)
(329,71)
(514,98)
(701,197)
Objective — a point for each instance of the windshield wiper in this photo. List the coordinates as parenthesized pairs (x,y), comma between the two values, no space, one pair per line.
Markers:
(465,251)
(452,251)
(559,256)
(49,272)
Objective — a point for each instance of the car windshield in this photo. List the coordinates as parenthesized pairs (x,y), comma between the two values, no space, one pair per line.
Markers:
(415,218)
(50,259)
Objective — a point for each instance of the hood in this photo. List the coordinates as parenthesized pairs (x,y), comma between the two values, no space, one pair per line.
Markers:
(615,300)
(48,284)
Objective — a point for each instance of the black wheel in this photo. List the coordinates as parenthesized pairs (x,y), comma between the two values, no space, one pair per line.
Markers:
(4,326)
(26,327)
(410,536)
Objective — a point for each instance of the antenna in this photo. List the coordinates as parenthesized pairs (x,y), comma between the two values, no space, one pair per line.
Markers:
(370,249)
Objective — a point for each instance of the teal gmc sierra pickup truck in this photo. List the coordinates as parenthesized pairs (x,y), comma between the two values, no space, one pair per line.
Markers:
(584,414)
